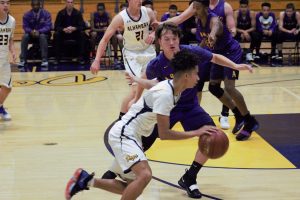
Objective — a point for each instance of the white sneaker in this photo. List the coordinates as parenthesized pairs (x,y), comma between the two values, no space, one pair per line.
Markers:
(4,115)
(224,123)
(249,57)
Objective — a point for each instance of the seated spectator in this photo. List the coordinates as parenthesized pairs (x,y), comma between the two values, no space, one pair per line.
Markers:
(99,23)
(37,26)
(266,28)
(69,25)
(245,26)
(289,27)
(149,4)
(173,12)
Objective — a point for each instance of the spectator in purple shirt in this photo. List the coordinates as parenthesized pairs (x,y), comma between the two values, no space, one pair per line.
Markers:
(266,28)
(37,26)
(173,11)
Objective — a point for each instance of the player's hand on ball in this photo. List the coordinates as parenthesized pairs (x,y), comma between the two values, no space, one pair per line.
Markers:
(206,130)
(95,67)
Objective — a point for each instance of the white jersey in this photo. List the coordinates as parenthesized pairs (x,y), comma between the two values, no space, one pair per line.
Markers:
(135,32)
(6,33)
(141,117)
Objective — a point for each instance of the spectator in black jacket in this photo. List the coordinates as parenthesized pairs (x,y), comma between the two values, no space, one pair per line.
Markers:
(69,25)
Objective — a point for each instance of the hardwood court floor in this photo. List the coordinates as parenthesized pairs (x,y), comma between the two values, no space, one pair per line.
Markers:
(59,119)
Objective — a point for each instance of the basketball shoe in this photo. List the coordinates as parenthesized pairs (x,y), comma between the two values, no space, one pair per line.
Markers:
(224,123)
(250,126)
(189,183)
(239,123)
(4,115)
(78,182)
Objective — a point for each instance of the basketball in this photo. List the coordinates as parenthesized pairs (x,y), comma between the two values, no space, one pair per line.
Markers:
(215,145)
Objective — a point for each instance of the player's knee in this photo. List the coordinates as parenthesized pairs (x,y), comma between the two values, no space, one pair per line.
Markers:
(146,176)
(6,90)
(216,90)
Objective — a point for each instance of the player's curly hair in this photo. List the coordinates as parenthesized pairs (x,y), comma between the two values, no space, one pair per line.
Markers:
(184,61)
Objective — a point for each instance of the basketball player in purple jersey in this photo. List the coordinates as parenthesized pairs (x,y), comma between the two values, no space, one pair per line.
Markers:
(230,48)
(187,110)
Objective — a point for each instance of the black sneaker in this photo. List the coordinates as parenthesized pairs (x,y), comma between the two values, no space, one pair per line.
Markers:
(190,185)
(239,123)
(78,183)
(250,126)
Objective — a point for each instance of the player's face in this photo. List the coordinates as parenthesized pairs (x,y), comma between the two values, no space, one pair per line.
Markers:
(135,3)
(200,9)
(192,78)
(289,12)
(4,6)
(266,11)
(169,42)
(172,13)
(243,8)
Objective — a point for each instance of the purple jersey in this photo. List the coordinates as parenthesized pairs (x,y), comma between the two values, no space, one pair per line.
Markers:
(244,21)
(160,68)
(263,23)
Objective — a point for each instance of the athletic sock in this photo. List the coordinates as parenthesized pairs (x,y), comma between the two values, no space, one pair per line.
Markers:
(225,111)
(194,169)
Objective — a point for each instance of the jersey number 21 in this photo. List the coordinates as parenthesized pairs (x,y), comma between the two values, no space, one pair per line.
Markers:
(139,35)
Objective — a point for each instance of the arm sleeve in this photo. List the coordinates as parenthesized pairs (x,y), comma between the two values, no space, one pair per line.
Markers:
(58,26)
(258,23)
(26,26)
(203,54)
(47,24)
(163,103)
(80,25)
(274,23)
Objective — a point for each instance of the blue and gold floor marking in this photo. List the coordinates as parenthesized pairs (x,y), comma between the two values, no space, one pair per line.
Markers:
(256,153)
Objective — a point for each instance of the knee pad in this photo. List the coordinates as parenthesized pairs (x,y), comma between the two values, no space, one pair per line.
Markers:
(216,90)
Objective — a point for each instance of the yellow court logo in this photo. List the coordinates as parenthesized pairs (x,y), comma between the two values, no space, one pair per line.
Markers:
(62,80)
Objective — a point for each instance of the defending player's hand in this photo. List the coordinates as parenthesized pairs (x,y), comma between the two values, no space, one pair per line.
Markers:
(244,67)
(95,67)
(206,130)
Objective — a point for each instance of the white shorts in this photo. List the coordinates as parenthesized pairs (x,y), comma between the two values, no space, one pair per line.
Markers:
(127,150)
(5,74)
(136,61)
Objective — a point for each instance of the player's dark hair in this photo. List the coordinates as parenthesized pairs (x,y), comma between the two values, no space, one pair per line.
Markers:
(290,6)
(184,61)
(203,2)
(267,4)
(244,2)
(35,2)
(168,26)
(173,7)
(123,5)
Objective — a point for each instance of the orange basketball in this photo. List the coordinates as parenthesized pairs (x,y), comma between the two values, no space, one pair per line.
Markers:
(215,145)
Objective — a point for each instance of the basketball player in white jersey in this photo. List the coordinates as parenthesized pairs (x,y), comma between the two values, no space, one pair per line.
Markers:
(125,136)
(7,27)
(138,51)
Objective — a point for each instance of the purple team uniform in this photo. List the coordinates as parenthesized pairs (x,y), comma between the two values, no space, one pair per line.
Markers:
(289,23)
(226,45)
(101,21)
(187,110)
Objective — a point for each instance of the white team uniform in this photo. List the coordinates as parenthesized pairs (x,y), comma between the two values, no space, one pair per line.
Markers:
(6,33)
(125,137)
(136,52)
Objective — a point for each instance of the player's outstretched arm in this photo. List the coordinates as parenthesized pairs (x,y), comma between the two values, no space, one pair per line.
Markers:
(110,31)
(143,81)
(222,60)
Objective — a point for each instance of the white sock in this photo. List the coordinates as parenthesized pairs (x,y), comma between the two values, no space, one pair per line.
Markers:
(91,183)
